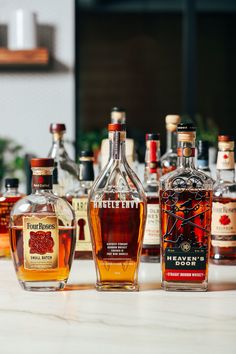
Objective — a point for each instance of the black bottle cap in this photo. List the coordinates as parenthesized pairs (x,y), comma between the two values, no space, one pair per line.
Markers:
(118,109)
(86,153)
(186,127)
(203,150)
(152,136)
(11,182)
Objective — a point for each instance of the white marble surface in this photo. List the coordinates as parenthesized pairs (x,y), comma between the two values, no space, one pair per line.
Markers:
(82,320)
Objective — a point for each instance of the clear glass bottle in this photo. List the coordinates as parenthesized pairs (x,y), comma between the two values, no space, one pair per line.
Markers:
(67,169)
(185,205)
(223,238)
(79,201)
(7,200)
(117,214)
(42,233)
(151,241)
(169,159)
(203,157)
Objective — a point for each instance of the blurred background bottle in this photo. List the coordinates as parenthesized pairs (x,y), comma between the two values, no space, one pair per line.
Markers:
(203,157)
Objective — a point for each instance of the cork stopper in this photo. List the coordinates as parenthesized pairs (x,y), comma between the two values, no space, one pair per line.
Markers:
(57,127)
(172,120)
(186,132)
(225,143)
(118,115)
(42,162)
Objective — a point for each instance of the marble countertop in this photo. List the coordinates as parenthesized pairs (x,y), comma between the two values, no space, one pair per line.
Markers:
(82,320)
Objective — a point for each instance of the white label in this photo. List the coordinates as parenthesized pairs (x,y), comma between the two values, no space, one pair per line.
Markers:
(223,219)
(83,240)
(225,160)
(152,230)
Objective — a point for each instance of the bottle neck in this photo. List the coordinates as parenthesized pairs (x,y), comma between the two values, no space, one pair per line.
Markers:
(86,171)
(225,166)
(186,154)
(42,180)
(117,145)
(171,141)
(58,148)
(152,162)
(11,191)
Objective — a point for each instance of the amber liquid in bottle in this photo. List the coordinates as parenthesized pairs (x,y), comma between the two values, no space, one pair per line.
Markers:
(118,241)
(64,260)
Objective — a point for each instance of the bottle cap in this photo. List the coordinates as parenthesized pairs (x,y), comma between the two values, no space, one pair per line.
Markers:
(152,136)
(116,127)
(42,162)
(225,138)
(173,119)
(186,127)
(57,127)
(118,115)
(11,182)
(86,153)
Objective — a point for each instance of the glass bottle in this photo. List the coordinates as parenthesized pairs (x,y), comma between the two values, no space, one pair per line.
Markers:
(169,159)
(7,200)
(79,201)
(203,157)
(42,233)
(151,241)
(223,238)
(186,205)
(67,169)
(117,214)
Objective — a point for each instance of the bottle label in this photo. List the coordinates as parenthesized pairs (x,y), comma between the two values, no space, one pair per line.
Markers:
(116,204)
(225,160)
(184,264)
(223,227)
(186,152)
(42,181)
(152,230)
(83,239)
(40,242)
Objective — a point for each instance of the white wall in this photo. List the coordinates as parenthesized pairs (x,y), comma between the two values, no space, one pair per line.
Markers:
(31,100)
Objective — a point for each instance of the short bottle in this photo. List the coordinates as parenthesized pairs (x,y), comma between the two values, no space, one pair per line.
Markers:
(67,169)
(79,200)
(169,159)
(151,241)
(7,201)
(186,205)
(223,238)
(117,214)
(203,157)
(42,233)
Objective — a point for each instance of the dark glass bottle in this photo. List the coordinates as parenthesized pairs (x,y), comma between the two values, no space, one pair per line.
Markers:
(203,157)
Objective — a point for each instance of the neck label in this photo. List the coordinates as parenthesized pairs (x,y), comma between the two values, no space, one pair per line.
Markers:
(186,152)
(42,181)
(225,160)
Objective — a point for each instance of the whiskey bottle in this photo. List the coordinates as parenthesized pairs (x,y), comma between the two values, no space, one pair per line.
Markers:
(79,201)
(67,169)
(42,234)
(185,204)
(117,214)
(203,157)
(7,200)
(151,241)
(169,159)
(223,238)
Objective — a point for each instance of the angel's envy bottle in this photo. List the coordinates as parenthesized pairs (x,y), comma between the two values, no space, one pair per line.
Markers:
(117,214)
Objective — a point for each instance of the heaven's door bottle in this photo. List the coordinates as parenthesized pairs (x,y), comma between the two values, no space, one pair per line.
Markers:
(117,214)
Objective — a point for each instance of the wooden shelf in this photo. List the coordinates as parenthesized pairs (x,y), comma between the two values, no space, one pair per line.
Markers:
(19,58)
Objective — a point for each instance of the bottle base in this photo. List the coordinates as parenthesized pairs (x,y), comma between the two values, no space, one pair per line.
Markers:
(42,286)
(108,286)
(174,286)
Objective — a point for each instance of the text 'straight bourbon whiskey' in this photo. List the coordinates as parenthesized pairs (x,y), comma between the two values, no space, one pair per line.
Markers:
(42,234)
(185,202)
(79,200)
(7,201)
(151,241)
(169,159)
(117,213)
(223,230)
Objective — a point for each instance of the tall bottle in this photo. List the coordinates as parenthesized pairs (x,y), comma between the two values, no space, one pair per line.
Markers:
(203,157)
(185,204)
(118,115)
(79,200)
(67,169)
(7,201)
(117,214)
(42,233)
(223,239)
(169,159)
(151,241)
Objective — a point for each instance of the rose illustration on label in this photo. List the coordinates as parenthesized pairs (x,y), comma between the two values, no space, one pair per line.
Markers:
(40,179)
(225,220)
(226,156)
(41,242)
